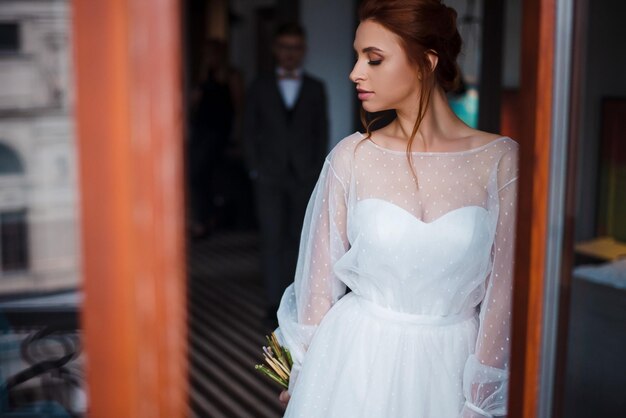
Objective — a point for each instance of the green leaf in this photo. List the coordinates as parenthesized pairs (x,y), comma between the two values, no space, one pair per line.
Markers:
(269,373)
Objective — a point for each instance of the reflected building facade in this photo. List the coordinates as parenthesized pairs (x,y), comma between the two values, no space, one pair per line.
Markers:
(38,182)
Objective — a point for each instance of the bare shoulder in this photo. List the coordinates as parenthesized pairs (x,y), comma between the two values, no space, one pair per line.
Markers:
(477,138)
(501,144)
(345,147)
(340,159)
(343,152)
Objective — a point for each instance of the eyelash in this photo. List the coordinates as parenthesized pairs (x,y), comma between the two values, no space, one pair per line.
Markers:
(371,62)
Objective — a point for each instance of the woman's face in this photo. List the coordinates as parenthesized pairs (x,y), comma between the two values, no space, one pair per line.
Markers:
(383,70)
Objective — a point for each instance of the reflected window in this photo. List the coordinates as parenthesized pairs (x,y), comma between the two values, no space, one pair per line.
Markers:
(9,37)
(13,227)
(9,161)
(13,241)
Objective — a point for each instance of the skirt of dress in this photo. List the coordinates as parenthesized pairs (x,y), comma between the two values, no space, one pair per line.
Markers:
(366,361)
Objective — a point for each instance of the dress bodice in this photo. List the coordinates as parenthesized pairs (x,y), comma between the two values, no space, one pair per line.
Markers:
(403,263)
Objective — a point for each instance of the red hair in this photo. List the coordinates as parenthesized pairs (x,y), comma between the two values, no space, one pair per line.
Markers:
(423,26)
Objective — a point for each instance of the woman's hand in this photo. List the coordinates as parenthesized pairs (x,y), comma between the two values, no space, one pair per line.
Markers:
(469,413)
(284,398)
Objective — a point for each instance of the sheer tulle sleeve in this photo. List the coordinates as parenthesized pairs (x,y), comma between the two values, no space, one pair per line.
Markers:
(485,379)
(323,241)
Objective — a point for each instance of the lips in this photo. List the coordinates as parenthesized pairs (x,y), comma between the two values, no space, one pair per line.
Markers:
(364,94)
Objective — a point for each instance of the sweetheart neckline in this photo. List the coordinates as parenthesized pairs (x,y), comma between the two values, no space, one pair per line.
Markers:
(415,217)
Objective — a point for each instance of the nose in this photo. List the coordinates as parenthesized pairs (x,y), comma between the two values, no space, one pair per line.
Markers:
(356,74)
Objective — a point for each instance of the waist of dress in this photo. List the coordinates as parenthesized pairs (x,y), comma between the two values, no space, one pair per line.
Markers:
(418,319)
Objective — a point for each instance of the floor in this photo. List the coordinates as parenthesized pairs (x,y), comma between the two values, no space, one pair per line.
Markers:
(226,329)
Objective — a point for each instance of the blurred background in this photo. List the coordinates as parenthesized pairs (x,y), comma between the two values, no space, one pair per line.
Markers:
(48,234)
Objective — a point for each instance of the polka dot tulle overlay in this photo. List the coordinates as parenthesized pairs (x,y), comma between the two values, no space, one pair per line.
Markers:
(438,247)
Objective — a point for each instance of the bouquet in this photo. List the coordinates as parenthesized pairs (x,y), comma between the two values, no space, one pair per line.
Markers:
(279,361)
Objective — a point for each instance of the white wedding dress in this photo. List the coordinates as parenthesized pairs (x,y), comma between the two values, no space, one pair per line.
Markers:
(425,331)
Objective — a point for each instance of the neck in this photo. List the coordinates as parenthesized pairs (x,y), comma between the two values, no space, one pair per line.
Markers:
(438,125)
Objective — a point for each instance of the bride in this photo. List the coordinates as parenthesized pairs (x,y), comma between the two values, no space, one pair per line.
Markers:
(417,219)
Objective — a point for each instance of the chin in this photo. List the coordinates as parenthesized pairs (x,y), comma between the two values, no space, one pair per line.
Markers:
(373,108)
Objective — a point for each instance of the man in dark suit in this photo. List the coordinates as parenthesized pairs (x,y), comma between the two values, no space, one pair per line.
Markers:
(286,141)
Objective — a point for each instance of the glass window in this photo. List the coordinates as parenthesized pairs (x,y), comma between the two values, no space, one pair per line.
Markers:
(9,37)
(13,241)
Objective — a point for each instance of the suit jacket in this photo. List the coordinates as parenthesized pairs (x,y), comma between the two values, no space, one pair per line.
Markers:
(284,145)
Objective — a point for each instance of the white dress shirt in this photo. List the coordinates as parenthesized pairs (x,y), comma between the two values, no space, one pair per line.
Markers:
(289,87)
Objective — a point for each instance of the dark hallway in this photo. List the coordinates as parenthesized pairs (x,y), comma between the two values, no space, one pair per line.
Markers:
(226,331)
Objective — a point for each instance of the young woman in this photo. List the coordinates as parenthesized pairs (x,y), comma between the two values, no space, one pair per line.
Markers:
(417,219)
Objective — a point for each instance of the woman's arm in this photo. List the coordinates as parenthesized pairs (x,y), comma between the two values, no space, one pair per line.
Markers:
(315,288)
(485,380)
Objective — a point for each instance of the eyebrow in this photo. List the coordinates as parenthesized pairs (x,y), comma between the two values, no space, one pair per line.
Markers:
(370,49)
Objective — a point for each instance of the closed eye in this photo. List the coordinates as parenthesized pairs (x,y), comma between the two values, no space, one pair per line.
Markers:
(377,62)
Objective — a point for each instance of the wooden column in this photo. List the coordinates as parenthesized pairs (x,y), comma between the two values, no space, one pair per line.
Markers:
(536,122)
(129,130)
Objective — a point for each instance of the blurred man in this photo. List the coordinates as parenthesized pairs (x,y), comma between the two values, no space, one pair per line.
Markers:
(286,141)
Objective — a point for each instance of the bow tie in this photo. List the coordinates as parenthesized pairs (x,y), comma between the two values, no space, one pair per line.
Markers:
(288,75)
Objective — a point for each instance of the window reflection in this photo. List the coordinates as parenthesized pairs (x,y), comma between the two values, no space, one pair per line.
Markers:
(593,376)
(40,365)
